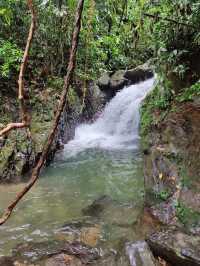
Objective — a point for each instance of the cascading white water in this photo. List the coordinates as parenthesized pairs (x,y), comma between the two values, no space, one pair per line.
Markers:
(117,127)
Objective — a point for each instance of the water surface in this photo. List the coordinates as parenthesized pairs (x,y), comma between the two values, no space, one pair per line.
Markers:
(102,159)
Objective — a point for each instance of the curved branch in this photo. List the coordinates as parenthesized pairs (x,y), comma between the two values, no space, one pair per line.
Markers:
(169,20)
(24,113)
(46,148)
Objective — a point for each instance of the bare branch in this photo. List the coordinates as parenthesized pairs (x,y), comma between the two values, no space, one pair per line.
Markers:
(46,148)
(11,126)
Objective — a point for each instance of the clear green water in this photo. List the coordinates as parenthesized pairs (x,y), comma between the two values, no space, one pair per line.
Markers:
(68,186)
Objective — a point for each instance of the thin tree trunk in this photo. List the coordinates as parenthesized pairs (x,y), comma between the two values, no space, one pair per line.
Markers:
(47,146)
(25,117)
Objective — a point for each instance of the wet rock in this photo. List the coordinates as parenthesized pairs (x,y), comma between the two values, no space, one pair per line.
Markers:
(85,232)
(104,81)
(55,253)
(110,83)
(176,247)
(140,254)
(63,260)
(165,212)
(138,74)
(118,81)
(113,259)
(83,252)
(33,251)
(6,261)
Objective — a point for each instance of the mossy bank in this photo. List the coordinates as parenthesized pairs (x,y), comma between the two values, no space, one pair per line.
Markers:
(170,136)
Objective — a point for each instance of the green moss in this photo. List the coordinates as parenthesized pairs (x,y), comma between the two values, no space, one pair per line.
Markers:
(72,96)
(163,194)
(186,215)
(190,93)
(154,109)
(5,153)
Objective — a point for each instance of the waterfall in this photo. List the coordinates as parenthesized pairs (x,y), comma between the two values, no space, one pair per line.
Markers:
(117,127)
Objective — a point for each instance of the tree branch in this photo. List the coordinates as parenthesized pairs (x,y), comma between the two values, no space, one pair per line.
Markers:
(169,20)
(46,148)
(25,118)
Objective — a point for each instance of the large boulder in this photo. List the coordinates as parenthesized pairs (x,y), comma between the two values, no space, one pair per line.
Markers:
(104,81)
(112,82)
(138,74)
(118,81)
(176,247)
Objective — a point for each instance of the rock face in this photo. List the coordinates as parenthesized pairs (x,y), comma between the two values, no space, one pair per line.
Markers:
(176,247)
(111,82)
(18,154)
(172,163)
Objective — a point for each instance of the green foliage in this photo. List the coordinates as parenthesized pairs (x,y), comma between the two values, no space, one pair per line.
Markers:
(186,215)
(163,195)
(10,56)
(6,15)
(155,106)
(55,83)
(189,93)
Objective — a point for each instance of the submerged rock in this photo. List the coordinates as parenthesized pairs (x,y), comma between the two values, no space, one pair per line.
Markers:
(176,247)
(63,260)
(140,254)
(112,260)
(98,206)
(52,253)
(85,232)
(113,212)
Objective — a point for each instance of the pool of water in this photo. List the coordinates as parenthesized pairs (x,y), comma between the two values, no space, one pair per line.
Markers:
(67,187)
(101,162)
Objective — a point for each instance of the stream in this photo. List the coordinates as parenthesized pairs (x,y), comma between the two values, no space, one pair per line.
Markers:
(103,161)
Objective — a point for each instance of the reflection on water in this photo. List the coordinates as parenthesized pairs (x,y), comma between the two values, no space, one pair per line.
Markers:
(67,187)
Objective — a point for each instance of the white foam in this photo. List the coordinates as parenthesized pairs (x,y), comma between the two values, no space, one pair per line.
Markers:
(117,127)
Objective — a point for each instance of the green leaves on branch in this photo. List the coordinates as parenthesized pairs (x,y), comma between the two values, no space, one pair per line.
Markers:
(10,57)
